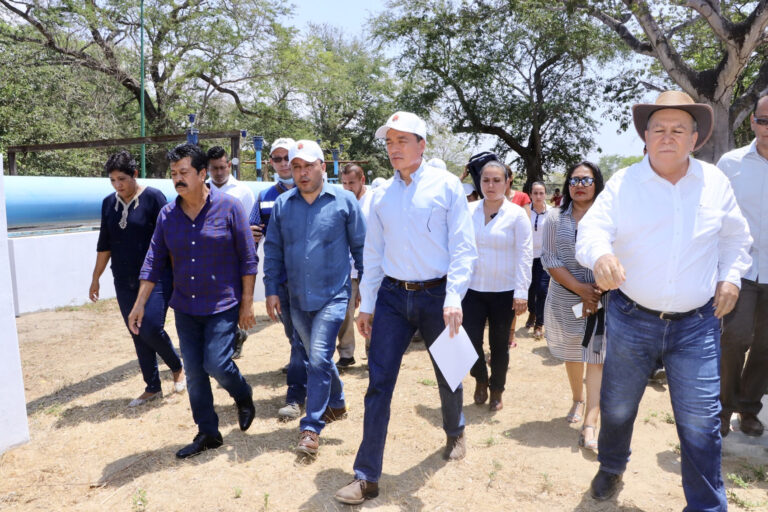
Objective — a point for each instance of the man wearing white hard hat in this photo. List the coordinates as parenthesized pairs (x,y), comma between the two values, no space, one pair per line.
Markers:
(419,254)
(314,228)
(296,371)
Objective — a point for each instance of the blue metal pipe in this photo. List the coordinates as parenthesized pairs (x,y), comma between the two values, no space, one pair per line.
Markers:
(42,201)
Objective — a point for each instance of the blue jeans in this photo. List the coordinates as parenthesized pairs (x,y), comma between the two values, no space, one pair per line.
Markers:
(317,331)
(398,314)
(690,351)
(207,345)
(152,339)
(537,292)
(296,377)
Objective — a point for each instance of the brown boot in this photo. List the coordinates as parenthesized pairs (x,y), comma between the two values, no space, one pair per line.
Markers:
(481,391)
(455,448)
(309,442)
(357,492)
(496,403)
(750,425)
(332,414)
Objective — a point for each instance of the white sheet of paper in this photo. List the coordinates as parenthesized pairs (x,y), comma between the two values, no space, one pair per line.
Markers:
(454,356)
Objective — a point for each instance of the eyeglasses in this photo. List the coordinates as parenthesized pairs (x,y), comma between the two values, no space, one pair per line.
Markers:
(762,121)
(278,159)
(586,181)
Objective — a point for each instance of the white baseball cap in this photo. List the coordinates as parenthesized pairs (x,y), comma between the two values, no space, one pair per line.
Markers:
(404,122)
(284,142)
(436,162)
(307,150)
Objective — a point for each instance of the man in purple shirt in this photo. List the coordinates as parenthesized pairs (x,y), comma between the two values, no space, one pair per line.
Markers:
(206,235)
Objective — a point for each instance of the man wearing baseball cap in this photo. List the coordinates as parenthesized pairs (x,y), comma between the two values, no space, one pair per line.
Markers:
(419,253)
(296,371)
(313,229)
(667,236)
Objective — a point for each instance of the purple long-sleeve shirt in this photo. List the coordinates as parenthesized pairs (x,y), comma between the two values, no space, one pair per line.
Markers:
(210,254)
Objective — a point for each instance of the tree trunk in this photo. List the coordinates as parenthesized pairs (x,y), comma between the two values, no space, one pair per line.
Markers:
(721,140)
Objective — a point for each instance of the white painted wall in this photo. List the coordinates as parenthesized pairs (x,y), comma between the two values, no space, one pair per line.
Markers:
(13,410)
(55,270)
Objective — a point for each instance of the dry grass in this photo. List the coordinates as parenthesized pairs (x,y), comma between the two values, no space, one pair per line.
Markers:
(89,452)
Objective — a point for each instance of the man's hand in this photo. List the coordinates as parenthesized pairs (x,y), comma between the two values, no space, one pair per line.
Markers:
(93,292)
(726,295)
(273,306)
(520,306)
(364,321)
(452,318)
(135,317)
(609,273)
(258,232)
(247,318)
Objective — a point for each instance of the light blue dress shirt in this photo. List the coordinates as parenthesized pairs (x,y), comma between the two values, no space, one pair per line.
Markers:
(419,232)
(312,243)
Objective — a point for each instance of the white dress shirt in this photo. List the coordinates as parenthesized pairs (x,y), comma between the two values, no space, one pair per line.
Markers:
(674,241)
(538,220)
(419,232)
(239,190)
(365,206)
(748,172)
(504,250)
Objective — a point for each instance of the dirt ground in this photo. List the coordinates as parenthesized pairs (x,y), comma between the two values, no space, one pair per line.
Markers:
(89,452)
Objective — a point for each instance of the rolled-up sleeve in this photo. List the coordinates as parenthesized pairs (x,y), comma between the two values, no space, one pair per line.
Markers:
(244,244)
(373,254)
(523,255)
(356,234)
(734,243)
(157,255)
(462,250)
(274,264)
(597,230)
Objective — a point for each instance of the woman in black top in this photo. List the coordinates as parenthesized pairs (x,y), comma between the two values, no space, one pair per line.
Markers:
(128,220)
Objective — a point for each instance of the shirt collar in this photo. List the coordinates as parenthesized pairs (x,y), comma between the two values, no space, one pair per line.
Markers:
(645,172)
(328,188)
(415,175)
(212,193)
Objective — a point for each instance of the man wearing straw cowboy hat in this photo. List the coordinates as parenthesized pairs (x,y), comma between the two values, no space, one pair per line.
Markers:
(667,236)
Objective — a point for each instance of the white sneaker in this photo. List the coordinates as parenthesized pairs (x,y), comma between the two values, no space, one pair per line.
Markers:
(289,412)
(141,401)
(180,386)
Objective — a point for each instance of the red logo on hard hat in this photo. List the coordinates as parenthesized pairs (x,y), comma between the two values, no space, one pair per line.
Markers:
(301,145)
(394,117)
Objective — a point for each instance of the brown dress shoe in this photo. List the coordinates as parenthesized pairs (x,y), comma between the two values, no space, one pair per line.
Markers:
(455,448)
(481,391)
(750,425)
(357,492)
(725,425)
(496,403)
(332,414)
(309,442)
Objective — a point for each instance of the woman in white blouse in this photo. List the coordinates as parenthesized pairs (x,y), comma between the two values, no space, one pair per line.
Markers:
(537,293)
(498,288)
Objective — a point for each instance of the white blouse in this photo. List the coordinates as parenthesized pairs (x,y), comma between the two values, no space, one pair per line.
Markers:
(537,225)
(504,250)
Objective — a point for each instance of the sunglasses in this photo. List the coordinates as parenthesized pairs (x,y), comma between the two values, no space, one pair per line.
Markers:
(278,159)
(586,181)
(762,121)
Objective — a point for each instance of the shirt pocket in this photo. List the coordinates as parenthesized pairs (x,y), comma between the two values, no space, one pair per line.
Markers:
(217,228)
(432,218)
(708,222)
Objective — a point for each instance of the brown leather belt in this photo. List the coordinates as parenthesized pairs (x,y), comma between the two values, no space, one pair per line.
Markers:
(415,286)
(661,314)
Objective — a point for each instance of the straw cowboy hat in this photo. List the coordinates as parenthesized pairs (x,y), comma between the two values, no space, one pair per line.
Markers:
(679,100)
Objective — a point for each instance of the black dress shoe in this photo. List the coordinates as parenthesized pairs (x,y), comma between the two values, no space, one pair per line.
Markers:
(604,485)
(201,443)
(246,411)
(344,362)
(750,425)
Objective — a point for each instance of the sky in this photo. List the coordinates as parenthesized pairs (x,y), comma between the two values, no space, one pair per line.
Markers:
(351,16)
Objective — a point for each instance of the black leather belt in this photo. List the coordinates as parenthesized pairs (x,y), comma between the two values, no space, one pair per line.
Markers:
(415,286)
(661,314)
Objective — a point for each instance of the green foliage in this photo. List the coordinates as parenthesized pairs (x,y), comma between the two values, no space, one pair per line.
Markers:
(518,70)
(609,164)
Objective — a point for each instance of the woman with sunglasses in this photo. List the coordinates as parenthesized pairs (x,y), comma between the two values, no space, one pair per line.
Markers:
(537,292)
(498,288)
(573,315)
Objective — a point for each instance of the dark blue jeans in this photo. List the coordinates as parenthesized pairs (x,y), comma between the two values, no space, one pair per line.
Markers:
(537,292)
(152,339)
(690,351)
(207,344)
(317,331)
(398,314)
(296,377)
